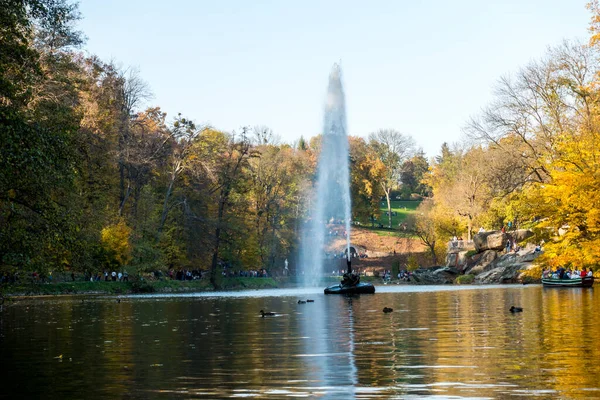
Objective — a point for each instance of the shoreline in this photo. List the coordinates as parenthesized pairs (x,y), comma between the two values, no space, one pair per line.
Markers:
(152,286)
(174,286)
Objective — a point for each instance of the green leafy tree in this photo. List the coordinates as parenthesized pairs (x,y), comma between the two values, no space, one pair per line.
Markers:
(38,122)
(413,172)
(393,148)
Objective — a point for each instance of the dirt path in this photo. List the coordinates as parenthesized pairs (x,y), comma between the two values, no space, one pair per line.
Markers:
(382,250)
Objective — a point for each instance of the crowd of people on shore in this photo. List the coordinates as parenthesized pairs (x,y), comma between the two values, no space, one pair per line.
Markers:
(196,274)
(107,276)
(403,275)
(50,277)
(253,273)
(123,276)
(343,255)
(564,273)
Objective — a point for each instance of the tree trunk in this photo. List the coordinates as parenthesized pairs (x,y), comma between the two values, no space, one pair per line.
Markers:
(165,210)
(274,240)
(433,255)
(469,228)
(215,257)
(389,205)
(124,200)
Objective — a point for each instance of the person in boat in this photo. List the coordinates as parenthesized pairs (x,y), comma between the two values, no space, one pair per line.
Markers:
(590,273)
(545,273)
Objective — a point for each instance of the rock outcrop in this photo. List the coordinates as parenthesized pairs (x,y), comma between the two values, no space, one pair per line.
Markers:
(506,269)
(480,262)
(491,264)
(520,234)
(435,275)
(494,240)
(457,259)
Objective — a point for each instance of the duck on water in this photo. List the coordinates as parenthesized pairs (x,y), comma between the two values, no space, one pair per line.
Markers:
(267,314)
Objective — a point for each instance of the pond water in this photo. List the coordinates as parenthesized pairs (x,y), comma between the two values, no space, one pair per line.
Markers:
(458,342)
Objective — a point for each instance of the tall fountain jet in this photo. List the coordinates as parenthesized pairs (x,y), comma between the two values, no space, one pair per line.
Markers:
(332,206)
(331,202)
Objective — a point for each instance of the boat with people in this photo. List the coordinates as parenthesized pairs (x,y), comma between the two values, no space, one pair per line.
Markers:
(586,281)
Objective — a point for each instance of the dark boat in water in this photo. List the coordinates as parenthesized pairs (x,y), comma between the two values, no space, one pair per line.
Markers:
(350,289)
(587,281)
(350,284)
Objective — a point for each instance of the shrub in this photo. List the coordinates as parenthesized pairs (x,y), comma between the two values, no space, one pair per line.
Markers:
(465,279)
(395,268)
(141,286)
(412,263)
(471,253)
(531,275)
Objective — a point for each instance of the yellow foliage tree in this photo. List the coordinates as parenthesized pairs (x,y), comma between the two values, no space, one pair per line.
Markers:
(366,171)
(594,7)
(115,240)
(571,201)
(461,183)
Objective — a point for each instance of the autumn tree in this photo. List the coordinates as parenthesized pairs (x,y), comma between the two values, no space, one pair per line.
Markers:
(544,100)
(392,148)
(571,201)
(222,170)
(433,225)
(276,174)
(129,91)
(366,171)
(412,174)
(544,119)
(182,136)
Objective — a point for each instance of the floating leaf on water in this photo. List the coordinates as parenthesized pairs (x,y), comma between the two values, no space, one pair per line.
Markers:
(156,365)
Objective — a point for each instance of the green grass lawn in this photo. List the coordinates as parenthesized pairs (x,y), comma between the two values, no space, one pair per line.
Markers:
(402,208)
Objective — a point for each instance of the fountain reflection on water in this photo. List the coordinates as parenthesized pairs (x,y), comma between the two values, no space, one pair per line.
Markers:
(332,197)
(457,342)
(331,206)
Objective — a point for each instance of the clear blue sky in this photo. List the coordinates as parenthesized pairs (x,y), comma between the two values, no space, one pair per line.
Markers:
(421,67)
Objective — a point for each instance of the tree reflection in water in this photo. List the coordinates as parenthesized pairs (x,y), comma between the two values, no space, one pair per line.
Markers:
(446,341)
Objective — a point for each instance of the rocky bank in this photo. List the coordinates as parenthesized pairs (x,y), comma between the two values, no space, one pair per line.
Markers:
(486,258)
